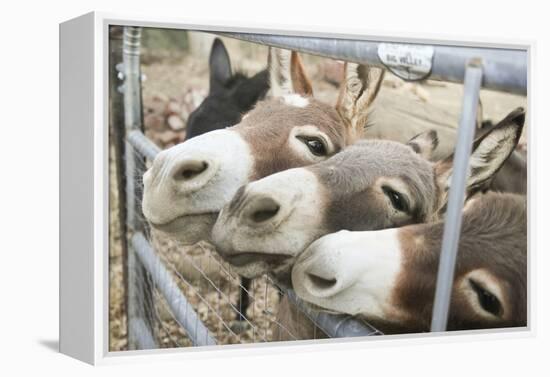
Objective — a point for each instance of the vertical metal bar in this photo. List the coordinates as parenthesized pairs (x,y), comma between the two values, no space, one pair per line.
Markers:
(140,295)
(132,111)
(453,217)
(116,124)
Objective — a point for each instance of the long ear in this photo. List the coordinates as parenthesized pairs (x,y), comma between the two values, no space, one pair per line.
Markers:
(424,143)
(252,89)
(287,74)
(489,153)
(220,66)
(360,88)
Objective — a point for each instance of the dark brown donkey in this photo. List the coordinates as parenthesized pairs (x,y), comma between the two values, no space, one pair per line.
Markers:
(389,276)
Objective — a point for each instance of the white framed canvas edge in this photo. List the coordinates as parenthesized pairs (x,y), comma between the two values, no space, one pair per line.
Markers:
(91,344)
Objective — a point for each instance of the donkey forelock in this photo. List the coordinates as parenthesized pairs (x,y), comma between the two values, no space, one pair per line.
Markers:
(270,145)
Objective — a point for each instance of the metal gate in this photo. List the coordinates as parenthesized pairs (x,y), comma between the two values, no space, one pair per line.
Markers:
(148,274)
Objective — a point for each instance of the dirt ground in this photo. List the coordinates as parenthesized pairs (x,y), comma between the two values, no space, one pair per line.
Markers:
(174,86)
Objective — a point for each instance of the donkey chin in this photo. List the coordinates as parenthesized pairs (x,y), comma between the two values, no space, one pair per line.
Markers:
(254,264)
(188,229)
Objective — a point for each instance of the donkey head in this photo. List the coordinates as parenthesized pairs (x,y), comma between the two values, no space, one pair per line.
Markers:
(373,184)
(189,183)
(230,95)
(389,276)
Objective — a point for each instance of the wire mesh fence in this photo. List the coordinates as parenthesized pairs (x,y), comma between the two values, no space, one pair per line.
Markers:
(195,296)
(212,292)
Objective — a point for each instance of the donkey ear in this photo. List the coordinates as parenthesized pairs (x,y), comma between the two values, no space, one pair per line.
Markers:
(360,88)
(252,89)
(220,65)
(287,74)
(424,143)
(489,153)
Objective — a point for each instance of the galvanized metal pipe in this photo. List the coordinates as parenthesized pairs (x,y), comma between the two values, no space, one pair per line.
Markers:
(142,335)
(142,144)
(335,326)
(504,69)
(132,110)
(180,307)
(139,290)
(453,217)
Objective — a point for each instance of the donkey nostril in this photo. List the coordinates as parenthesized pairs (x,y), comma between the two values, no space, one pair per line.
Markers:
(321,283)
(264,209)
(263,215)
(191,169)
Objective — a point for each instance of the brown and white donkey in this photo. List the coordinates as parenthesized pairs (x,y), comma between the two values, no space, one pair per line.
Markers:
(389,276)
(189,183)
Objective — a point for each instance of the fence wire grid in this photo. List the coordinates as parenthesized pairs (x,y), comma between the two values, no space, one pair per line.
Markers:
(212,291)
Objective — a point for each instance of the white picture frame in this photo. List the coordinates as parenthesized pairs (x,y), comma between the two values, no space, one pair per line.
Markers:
(84,278)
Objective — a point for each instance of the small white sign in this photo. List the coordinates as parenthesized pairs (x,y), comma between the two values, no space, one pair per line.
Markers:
(410,62)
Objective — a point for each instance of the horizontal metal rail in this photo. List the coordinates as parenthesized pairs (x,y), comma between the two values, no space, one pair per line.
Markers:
(180,307)
(143,144)
(334,325)
(503,69)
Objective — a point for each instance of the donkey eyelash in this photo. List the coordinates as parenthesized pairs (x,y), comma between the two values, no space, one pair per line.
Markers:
(399,201)
(307,139)
(488,301)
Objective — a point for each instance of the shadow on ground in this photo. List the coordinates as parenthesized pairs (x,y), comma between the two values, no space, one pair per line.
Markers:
(52,345)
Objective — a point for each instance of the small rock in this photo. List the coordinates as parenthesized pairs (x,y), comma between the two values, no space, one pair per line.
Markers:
(168,136)
(154,105)
(175,122)
(154,122)
(173,107)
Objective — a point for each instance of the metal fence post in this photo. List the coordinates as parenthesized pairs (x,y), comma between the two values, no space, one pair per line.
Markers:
(116,124)
(453,217)
(140,295)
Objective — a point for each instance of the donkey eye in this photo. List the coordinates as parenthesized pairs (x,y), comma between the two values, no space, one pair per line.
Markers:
(397,200)
(488,301)
(315,145)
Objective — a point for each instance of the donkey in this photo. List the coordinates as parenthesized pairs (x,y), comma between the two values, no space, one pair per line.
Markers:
(389,276)
(230,96)
(371,185)
(188,184)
